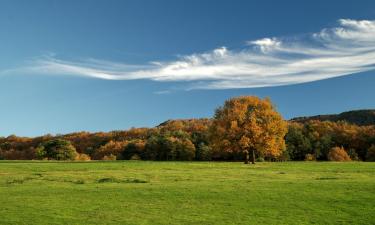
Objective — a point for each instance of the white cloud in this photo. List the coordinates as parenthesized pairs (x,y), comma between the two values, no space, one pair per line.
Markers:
(346,49)
(266,44)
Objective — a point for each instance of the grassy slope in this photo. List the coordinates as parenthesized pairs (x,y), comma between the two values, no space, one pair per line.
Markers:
(186,193)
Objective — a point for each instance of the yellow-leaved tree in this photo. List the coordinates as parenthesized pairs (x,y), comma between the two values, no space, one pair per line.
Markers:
(248,124)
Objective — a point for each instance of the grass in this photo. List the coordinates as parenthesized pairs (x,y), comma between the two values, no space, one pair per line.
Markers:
(131,192)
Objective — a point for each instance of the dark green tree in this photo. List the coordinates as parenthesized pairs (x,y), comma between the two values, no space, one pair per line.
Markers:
(298,145)
(57,149)
(203,152)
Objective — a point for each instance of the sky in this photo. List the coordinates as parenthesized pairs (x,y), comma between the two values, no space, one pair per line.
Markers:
(68,66)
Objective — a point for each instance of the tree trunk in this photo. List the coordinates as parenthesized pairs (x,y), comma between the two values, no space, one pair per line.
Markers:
(246,157)
(253,156)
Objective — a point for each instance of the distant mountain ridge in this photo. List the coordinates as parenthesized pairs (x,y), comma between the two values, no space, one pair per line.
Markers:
(359,117)
(363,117)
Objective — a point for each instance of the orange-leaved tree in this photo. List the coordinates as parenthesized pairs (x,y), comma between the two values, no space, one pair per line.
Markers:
(248,124)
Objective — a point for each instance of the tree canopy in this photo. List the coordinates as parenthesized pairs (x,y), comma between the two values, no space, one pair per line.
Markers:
(57,149)
(247,124)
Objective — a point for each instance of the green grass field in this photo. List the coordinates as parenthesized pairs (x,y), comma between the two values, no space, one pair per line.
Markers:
(130,192)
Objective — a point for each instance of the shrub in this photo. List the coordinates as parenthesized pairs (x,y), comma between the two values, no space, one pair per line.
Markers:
(310,157)
(82,157)
(338,154)
(109,157)
(370,156)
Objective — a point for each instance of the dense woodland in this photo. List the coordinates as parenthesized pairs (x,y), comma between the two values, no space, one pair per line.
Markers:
(196,139)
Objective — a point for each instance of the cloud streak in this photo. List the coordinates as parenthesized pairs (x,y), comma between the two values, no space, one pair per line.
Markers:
(346,49)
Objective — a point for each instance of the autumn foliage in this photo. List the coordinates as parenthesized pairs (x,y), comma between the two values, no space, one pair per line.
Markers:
(338,154)
(113,148)
(242,124)
(318,138)
(247,124)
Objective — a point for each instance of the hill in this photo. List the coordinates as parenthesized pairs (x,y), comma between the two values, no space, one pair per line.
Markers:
(358,117)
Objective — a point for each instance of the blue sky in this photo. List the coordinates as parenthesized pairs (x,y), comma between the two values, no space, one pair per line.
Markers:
(68,66)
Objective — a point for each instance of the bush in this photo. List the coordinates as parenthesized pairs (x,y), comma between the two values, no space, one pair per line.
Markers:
(338,154)
(310,157)
(109,157)
(82,157)
(370,156)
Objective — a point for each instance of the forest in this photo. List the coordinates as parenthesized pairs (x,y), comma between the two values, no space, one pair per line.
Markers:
(220,138)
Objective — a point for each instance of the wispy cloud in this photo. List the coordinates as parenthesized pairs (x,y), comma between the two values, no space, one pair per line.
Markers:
(346,49)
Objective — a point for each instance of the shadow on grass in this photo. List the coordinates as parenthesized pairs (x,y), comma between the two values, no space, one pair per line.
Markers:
(115,180)
(327,178)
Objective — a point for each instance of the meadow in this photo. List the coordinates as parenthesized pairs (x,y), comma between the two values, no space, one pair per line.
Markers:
(148,192)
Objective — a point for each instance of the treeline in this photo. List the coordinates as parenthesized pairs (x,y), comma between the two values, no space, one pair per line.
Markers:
(358,117)
(315,139)
(189,140)
(172,140)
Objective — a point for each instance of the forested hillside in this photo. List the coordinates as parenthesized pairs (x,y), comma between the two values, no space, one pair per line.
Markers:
(342,137)
(188,140)
(359,117)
